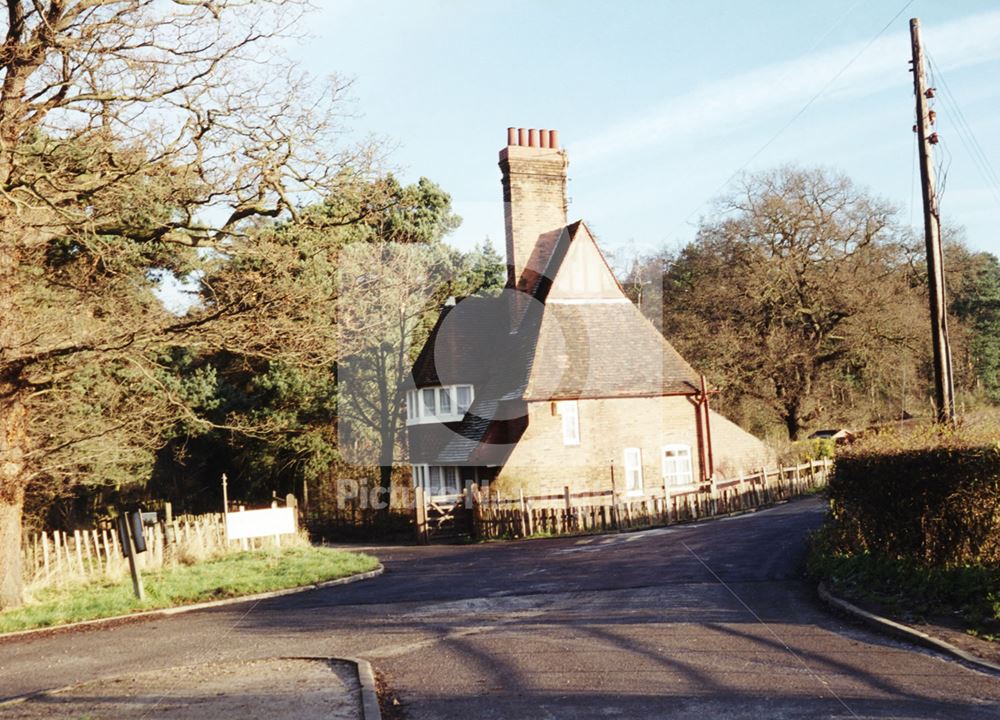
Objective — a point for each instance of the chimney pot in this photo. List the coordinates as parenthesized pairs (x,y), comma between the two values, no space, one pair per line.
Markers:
(534,194)
(511,136)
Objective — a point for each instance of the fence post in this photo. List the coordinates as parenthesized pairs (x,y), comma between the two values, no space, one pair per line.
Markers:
(568,525)
(521,506)
(420,519)
(45,555)
(613,520)
(470,511)
(79,552)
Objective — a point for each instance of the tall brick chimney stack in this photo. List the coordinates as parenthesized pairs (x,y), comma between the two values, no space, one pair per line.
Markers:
(534,196)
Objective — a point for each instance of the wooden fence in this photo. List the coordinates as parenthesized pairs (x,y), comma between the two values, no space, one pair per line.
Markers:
(58,557)
(600,511)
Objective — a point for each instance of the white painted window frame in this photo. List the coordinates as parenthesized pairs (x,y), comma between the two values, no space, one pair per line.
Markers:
(472,397)
(416,408)
(569,412)
(633,471)
(447,478)
(673,480)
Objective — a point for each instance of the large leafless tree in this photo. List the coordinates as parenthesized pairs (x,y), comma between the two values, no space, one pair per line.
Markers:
(130,132)
(798,283)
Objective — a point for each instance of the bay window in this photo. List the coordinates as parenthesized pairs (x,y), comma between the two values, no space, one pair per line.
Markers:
(438,404)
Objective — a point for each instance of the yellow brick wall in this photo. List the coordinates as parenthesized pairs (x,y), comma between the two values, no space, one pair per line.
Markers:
(534,194)
(736,450)
(541,464)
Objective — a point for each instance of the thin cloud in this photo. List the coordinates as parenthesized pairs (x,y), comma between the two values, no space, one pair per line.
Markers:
(755,95)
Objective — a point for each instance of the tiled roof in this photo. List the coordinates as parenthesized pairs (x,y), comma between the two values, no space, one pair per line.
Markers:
(560,350)
(463,343)
(497,413)
(604,350)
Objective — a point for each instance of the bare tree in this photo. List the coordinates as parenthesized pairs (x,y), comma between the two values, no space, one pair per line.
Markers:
(800,283)
(132,131)
(388,291)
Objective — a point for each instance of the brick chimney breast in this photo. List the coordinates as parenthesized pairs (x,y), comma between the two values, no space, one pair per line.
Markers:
(534,196)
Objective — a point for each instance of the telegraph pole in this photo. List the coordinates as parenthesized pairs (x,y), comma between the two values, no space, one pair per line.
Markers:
(944,386)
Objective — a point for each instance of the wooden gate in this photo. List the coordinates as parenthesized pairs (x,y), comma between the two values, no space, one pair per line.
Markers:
(440,519)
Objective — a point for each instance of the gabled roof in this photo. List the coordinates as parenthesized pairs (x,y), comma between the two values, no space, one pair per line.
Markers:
(565,344)
(463,343)
(595,342)
(605,350)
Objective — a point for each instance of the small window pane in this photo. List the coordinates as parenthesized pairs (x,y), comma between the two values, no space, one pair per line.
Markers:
(570,422)
(430,406)
(464,398)
(434,481)
(444,396)
(633,470)
(677,467)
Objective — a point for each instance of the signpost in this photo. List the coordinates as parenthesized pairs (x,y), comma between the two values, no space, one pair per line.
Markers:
(132,541)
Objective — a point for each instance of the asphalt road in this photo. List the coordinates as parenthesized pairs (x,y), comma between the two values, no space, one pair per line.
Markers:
(710,620)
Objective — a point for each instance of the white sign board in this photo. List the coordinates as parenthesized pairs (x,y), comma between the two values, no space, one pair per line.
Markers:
(260,523)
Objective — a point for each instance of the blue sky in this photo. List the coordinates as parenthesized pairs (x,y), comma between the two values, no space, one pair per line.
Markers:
(659,103)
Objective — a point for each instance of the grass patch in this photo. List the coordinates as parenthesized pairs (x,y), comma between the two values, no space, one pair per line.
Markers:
(967,596)
(244,573)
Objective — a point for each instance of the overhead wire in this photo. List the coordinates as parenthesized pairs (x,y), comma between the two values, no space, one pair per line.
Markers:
(836,76)
(965,133)
(943,166)
(942,159)
(963,125)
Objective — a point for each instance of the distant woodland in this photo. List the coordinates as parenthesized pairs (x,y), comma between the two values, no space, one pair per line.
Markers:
(803,299)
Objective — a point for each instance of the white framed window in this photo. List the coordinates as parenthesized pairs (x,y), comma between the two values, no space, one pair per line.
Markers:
(428,405)
(439,480)
(438,404)
(434,480)
(633,471)
(677,467)
(464,398)
(453,481)
(569,411)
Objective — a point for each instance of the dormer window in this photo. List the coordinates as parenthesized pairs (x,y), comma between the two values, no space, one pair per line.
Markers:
(438,404)
(429,407)
(464,395)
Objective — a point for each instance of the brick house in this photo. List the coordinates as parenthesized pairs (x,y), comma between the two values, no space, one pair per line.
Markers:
(560,380)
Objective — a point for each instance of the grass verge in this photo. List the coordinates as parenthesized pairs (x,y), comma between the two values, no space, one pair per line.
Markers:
(244,573)
(964,597)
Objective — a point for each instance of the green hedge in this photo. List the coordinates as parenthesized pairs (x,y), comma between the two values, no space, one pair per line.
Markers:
(932,498)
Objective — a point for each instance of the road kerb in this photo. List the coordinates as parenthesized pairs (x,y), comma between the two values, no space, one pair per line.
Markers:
(97,622)
(370,709)
(905,632)
(366,680)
